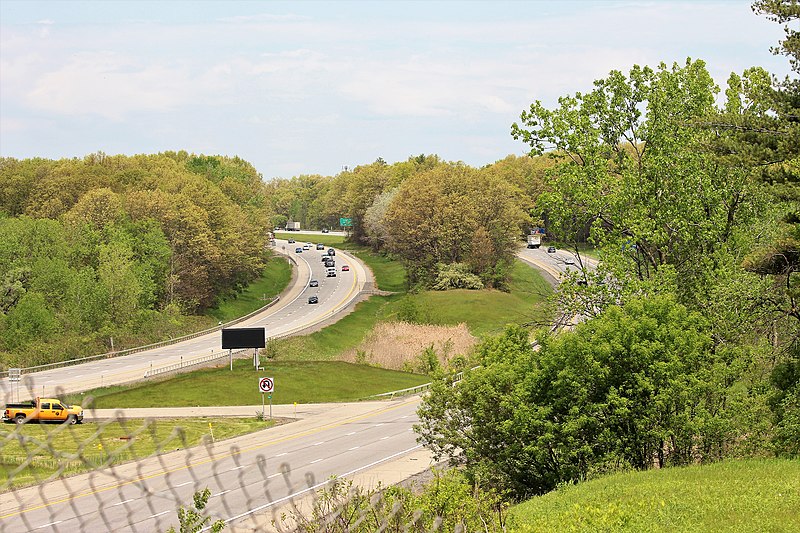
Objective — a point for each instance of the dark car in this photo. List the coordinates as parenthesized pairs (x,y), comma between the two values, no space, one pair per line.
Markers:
(291,241)
(313,300)
(331,252)
(298,250)
(320,246)
(324,230)
(551,249)
(345,268)
(313,283)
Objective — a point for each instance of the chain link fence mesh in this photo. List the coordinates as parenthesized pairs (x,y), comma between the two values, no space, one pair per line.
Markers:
(119,474)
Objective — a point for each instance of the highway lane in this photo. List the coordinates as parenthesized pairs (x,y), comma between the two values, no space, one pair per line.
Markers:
(555,264)
(249,477)
(291,315)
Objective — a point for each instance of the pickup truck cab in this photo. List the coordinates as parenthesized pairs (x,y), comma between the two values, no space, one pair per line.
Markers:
(43,410)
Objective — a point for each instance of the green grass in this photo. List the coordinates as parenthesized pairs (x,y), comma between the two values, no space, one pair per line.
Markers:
(274,279)
(489,311)
(732,496)
(484,312)
(301,382)
(27,452)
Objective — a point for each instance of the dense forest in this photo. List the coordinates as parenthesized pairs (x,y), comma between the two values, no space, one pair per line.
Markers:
(125,248)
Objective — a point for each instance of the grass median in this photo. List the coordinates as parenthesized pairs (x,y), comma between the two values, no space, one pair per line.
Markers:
(301,382)
(34,453)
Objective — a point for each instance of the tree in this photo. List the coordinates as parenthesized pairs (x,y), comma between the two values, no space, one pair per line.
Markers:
(637,386)
(632,169)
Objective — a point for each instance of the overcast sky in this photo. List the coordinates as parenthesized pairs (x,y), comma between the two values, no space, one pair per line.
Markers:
(310,87)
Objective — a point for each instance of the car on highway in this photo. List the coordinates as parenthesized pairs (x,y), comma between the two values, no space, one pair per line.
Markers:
(313,300)
(306,247)
(331,252)
(551,249)
(320,246)
(313,283)
(291,241)
(345,268)
(569,261)
(298,250)
(324,230)
(330,272)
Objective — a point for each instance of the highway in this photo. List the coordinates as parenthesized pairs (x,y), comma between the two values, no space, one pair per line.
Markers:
(251,477)
(292,314)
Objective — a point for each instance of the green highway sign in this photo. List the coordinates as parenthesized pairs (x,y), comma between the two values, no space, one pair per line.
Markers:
(345,221)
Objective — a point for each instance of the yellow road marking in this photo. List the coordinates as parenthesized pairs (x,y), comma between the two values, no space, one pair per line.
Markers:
(205,461)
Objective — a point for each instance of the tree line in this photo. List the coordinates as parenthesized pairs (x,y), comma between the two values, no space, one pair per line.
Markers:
(121,247)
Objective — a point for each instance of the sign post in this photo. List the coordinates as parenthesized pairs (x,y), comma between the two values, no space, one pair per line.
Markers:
(266,386)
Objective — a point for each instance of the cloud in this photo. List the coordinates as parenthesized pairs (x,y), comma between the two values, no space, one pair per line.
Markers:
(113,86)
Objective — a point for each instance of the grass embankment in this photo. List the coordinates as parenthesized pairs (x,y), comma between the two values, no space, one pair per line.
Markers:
(301,382)
(32,453)
(484,312)
(750,495)
(273,280)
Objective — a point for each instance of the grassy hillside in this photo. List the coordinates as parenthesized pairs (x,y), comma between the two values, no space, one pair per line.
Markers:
(301,382)
(751,495)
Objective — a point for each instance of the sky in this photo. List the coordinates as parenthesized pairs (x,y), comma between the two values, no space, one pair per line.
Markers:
(314,87)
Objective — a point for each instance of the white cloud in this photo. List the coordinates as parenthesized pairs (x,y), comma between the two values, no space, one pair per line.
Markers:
(114,86)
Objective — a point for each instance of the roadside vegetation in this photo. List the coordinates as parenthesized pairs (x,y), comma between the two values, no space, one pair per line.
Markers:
(748,495)
(33,453)
(300,382)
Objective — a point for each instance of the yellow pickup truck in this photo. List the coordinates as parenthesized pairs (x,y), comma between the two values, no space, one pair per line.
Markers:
(43,410)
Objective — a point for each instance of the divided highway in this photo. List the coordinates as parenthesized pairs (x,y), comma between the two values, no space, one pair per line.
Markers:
(290,315)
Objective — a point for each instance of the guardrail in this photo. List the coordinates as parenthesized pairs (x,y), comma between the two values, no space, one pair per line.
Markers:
(186,364)
(109,355)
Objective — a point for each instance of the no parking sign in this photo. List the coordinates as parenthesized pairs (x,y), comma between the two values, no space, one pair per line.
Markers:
(266,385)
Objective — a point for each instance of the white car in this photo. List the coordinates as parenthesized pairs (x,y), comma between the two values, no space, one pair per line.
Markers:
(569,261)
(306,247)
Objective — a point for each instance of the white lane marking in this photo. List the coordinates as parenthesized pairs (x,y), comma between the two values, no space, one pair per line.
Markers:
(315,461)
(282,454)
(123,502)
(236,468)
(318,485)
(384,438)
(274,475)
(351,433)
(183,484)
(378,425)
(354,448)
(159,514)
(221,493)
(404,416)
(50,524)
(318,443)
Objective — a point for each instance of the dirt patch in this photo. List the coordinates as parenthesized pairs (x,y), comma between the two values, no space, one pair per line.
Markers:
(396,345)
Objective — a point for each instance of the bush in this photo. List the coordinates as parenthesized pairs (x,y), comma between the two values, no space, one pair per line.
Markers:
(456,276)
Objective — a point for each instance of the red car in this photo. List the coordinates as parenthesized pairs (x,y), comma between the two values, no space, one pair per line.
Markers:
(345,268)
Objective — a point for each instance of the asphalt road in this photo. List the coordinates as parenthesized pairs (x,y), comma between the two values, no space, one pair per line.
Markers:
(291,315)
(251,478)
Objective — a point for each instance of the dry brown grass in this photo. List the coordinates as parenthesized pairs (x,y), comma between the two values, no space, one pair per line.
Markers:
(396,345)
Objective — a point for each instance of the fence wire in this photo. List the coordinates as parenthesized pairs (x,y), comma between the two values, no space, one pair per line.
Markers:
(118,474)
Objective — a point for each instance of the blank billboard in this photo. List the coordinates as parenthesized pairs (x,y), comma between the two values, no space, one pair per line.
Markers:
(243,338)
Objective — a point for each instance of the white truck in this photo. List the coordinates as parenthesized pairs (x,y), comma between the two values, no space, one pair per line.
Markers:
(534,240)
(292,226)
